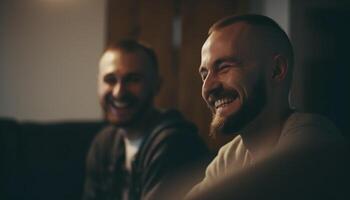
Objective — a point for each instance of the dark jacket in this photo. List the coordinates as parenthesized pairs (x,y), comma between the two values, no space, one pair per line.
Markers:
(168,149)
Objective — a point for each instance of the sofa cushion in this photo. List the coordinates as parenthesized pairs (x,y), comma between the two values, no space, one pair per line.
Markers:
(46,160)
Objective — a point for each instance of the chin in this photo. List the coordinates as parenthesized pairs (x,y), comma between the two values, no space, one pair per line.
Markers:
(232,126)
(117,121)
(130,120)
(227,125)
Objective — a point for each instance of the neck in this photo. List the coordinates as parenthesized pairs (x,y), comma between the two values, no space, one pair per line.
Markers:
(262,134)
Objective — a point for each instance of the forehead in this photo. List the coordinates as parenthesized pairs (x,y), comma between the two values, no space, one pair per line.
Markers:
(116,60)
(233,39)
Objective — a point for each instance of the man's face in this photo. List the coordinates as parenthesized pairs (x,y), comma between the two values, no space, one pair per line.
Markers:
(234,85)
(126,86)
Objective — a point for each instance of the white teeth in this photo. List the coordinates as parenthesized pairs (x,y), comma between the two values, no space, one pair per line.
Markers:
(119,104)
(223,102)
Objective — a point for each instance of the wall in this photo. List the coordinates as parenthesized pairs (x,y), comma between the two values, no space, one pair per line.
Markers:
(320,34)
(48,58)
(278,10)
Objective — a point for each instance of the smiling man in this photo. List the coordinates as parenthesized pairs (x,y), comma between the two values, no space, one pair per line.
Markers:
(246,68)
(143,149)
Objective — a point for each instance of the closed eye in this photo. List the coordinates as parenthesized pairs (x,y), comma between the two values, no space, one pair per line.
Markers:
(133,78)
(110,79)
(224,66)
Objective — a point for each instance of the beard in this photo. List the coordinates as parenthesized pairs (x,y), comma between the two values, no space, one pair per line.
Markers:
(139,115)
(235,122)
(140,108)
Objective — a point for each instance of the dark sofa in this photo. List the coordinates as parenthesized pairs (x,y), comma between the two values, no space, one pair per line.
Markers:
(44,160)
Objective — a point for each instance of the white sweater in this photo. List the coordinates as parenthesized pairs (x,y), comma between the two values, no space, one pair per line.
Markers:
(300,129)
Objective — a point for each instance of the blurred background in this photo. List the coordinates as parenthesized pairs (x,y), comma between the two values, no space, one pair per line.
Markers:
(49,50)
(48,58)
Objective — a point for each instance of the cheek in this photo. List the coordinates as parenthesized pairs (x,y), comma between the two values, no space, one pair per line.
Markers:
(235,81)
(103,90)
(238,82)
(136,90)
(140,90)
(249,86)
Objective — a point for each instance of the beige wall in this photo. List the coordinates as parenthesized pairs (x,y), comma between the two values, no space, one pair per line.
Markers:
(49,51)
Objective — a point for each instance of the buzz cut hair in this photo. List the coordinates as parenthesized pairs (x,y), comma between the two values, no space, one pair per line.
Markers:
(275,32)
(132,46)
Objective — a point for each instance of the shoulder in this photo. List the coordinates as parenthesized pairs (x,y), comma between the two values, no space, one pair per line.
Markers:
(225,161)
(309,128)
(171,150)
(105,134)
(173,126)
(173,138)
(173,119)
(300,121)
(104,142)
(229,156)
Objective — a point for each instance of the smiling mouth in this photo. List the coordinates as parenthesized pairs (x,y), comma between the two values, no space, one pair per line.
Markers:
(120,104)
(220,103)
(223,100)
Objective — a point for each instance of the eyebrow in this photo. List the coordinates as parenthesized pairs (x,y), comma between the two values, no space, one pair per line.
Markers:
(107,76)
(219,61)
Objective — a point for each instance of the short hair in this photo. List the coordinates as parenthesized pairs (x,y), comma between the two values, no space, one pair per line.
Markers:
(132,46)
(278,34)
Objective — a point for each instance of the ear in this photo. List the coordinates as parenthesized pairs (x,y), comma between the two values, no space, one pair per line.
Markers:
(280,68)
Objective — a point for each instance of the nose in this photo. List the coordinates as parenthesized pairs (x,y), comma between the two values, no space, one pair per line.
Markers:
(119,89)
(211,85)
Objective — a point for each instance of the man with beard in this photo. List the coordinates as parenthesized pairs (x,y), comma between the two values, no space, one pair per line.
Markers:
(138,155)
(246,68)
